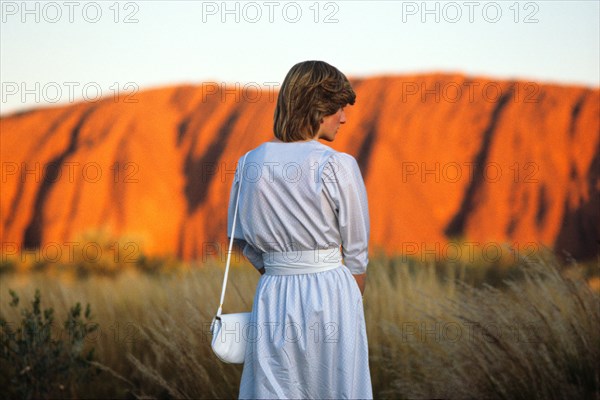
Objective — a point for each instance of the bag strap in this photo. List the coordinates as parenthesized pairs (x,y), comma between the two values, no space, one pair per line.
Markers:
(241,174)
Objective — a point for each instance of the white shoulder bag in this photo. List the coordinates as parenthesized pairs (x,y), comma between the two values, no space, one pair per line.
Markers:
(227,330)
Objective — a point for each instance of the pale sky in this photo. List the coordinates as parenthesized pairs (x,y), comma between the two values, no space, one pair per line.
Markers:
(50,51)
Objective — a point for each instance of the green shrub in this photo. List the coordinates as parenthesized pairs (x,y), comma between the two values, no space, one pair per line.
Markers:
(36,363)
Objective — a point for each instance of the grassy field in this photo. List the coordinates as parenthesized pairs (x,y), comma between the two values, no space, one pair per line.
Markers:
(453,330)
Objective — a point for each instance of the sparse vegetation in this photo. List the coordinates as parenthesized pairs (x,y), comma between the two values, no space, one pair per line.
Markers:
(40,360)
(446,329)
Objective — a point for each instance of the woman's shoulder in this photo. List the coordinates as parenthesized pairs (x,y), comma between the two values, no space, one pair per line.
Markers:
(339,160)
(332,154)
(336,166)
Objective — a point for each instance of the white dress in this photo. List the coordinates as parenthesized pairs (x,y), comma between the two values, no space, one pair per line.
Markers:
(308,336)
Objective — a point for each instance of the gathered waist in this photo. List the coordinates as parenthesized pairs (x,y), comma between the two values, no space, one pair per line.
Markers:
(301,261)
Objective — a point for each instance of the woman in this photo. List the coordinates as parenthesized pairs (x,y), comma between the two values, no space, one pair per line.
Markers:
(300,200)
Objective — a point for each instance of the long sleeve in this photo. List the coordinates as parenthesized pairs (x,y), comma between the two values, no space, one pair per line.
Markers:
(344,185)
(250,252)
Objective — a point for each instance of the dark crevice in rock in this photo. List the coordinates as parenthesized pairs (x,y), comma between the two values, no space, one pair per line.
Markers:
(197,181)
(575,113)
(32,237)
(457,225)
(34,151)
(542,208)
(579,230)
(365,152)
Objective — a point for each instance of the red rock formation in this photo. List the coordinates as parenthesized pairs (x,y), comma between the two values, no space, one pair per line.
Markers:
(443,156)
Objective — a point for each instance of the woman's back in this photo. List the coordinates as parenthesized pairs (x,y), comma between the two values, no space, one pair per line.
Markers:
(302,196)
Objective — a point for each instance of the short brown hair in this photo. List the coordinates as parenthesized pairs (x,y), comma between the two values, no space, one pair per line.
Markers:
(310,91)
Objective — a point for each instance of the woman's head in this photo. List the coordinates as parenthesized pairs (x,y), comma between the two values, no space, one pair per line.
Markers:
(310,91)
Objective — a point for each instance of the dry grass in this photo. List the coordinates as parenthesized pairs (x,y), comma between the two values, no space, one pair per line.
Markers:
(538,337)
(430,334)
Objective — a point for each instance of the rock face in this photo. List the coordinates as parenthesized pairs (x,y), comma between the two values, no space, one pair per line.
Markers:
(443,156)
